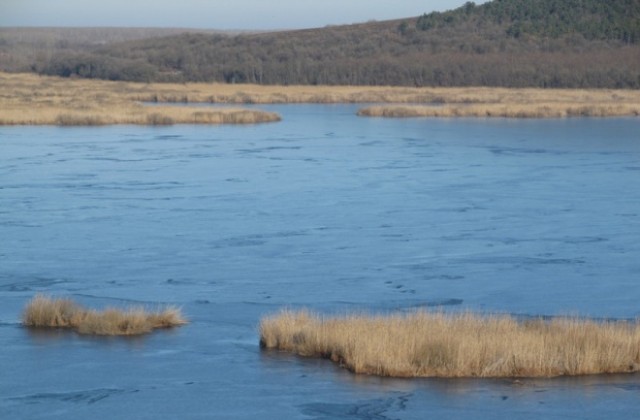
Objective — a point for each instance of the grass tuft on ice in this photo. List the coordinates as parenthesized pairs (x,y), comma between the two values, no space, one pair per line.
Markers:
(47,312)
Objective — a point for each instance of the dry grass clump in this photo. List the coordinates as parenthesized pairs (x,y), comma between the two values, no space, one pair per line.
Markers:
(425,344)
(45,312)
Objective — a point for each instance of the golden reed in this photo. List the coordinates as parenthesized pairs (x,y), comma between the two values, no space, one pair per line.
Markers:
(32,99)
(28,99)
(427,344)
(46,312)
(499,110)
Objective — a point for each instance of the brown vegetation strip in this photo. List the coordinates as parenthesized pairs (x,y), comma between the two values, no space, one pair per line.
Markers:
(32,99)
(605,108)
(27,99)
(425,344)
(45,312)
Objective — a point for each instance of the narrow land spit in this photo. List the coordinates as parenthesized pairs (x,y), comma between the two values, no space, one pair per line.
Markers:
(547,109)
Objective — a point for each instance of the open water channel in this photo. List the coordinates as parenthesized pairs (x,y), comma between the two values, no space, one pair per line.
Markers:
(323,210)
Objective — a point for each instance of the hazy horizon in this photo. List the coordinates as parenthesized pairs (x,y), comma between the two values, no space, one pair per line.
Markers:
(238,15)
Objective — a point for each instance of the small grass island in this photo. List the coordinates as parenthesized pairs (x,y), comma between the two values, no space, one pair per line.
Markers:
(46,312)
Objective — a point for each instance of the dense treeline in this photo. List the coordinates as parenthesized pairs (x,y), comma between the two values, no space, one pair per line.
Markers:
(593,19)
(515,43)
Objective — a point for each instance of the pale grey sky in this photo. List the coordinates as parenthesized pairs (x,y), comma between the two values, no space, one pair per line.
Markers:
(212,14)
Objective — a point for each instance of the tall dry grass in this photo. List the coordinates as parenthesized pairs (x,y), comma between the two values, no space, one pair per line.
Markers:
(261,94)
(509,110)
(27,99)
(425,344)
(46,312)
(33,99)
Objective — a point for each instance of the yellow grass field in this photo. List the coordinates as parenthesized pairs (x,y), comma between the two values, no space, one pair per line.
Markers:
(33,99)
(28,99)
(426,344)
(45,312)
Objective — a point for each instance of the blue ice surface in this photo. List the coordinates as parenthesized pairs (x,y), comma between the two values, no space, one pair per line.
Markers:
(323,210)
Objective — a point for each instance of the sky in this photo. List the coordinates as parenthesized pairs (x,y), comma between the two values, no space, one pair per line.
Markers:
(212,14)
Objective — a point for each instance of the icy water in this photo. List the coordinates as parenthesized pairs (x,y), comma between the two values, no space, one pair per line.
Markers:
(323,210)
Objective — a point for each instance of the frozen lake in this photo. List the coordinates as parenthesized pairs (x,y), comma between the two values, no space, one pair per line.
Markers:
(324,210)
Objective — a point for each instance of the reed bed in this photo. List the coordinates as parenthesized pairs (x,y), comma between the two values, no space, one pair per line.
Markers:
(512,110)
(427,344)
(27,99)
(33,99)
(46,312)
(137,115)
(261,94)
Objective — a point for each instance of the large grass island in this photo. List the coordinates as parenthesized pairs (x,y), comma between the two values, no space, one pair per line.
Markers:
(435,344)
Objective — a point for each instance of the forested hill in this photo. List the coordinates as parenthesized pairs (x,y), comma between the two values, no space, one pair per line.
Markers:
(592,19)
(515,43)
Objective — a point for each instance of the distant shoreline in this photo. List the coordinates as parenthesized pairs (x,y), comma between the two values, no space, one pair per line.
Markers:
(29,99)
